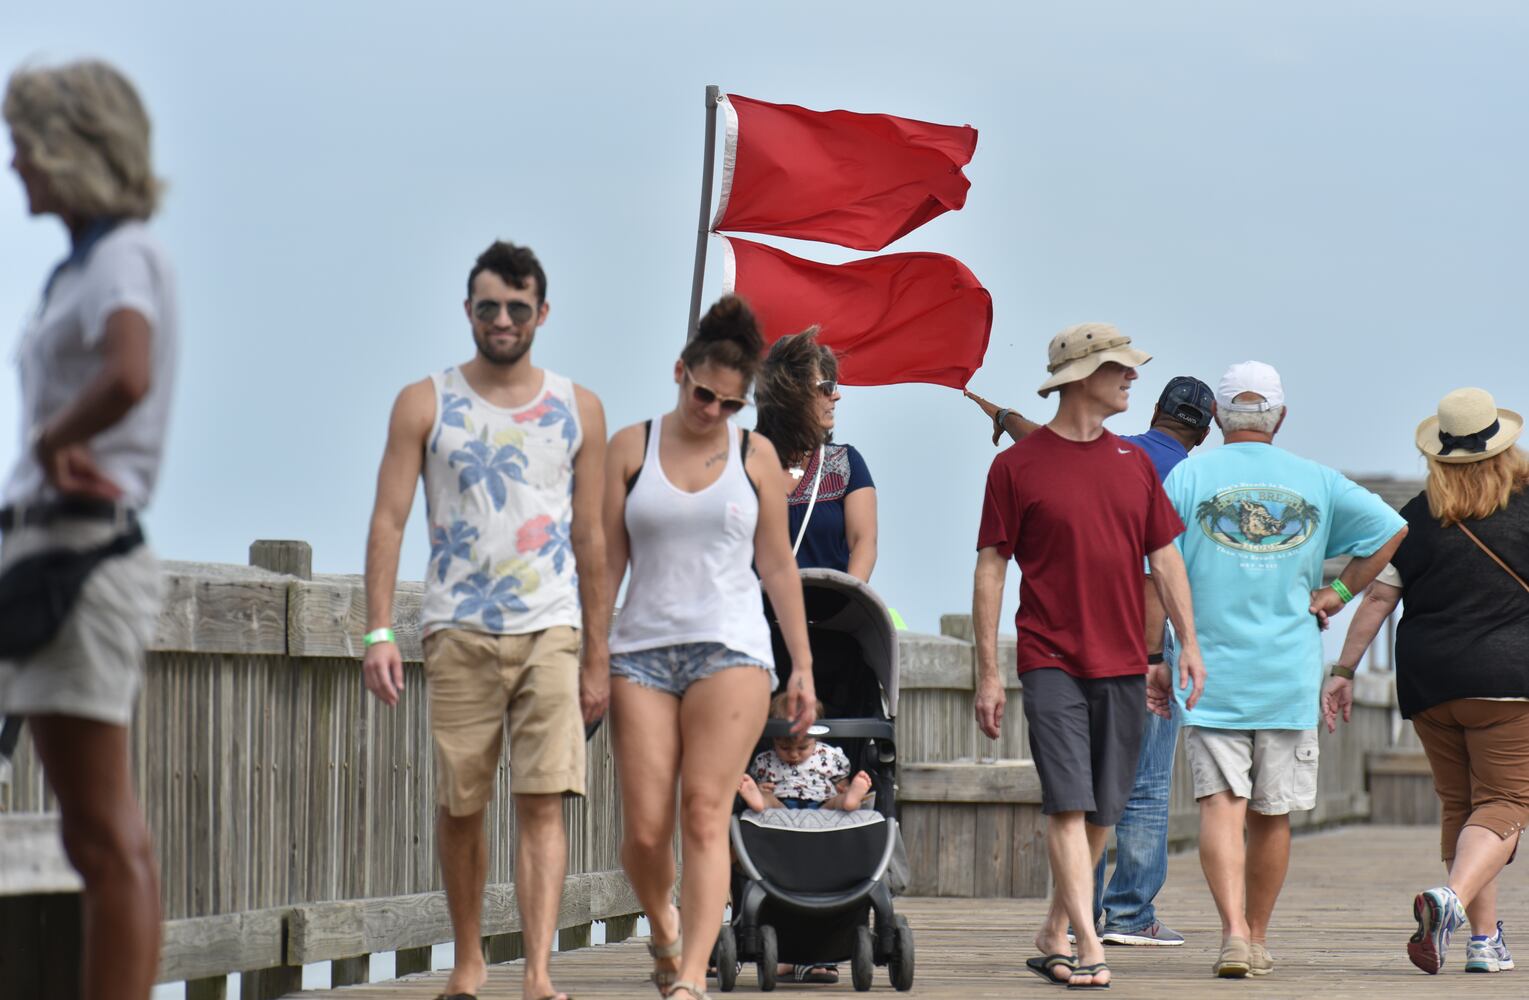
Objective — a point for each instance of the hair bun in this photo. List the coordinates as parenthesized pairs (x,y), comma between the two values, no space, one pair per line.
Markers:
(730,318)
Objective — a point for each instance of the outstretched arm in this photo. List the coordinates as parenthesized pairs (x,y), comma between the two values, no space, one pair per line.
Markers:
(588,538)
(1015,425)
(402,460)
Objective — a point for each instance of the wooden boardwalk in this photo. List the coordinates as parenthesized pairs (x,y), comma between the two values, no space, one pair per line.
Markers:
(1341,932)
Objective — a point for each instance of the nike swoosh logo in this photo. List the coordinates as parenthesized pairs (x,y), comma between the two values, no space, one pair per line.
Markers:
(1124,451)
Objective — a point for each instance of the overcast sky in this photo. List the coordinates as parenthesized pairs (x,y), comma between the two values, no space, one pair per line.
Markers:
(1337,189)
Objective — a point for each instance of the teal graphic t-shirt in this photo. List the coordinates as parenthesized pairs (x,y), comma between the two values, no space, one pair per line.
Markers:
(1260,522)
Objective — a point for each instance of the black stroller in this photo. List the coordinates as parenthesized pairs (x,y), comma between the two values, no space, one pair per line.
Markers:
(806,882)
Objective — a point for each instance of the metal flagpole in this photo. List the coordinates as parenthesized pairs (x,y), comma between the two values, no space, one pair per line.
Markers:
(713,94)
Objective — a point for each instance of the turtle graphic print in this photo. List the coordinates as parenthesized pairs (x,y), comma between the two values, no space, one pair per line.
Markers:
(1259,518)
(499,493)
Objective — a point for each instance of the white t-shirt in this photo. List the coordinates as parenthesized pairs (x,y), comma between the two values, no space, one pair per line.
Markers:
(60,353)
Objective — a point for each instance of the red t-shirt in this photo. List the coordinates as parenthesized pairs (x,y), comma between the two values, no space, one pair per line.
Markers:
(1078,517)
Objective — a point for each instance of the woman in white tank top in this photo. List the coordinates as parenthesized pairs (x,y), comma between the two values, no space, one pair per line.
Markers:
(691,503)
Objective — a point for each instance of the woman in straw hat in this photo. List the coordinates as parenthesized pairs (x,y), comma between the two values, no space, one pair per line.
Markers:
(1461,673)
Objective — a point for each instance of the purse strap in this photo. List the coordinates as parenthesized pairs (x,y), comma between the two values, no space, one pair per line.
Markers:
(1493,555)
(817,478)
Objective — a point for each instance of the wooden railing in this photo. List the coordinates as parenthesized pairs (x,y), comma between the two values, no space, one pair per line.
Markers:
(293,814)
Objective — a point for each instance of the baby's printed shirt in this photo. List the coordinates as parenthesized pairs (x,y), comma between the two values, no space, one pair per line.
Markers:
(815,779)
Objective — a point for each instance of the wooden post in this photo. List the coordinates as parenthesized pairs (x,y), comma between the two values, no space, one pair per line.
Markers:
(499,948)
(620,928)
(408,961)
(713,92)
(215,988)
(270,984)
(577,936)
(355,971)
(283,556)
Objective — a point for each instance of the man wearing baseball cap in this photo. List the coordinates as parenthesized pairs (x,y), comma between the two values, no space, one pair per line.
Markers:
(1078,508)
(1261,523)
(1125,910)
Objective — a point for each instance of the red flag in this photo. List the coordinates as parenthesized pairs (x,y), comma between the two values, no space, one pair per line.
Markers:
(860,181)
(901,317)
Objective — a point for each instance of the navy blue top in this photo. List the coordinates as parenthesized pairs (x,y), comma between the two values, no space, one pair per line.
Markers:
(825,545)
(1164,449)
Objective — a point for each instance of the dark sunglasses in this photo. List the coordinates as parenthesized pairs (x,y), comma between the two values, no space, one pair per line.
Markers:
(828,387)
(487,310)
(706,395)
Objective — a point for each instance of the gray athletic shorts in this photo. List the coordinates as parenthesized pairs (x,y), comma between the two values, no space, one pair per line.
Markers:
(1085,737)
(93,668)
(1274,769)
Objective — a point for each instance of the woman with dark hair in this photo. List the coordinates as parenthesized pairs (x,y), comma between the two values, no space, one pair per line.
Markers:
(1461,673)
(691,504)
(830,494)
(97,364)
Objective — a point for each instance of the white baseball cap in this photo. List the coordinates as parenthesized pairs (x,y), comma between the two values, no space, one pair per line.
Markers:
(1250,376)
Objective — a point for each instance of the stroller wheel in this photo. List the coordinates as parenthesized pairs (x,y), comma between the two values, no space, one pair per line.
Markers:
(862,961)
(769,958)
(901,965)
(726,954)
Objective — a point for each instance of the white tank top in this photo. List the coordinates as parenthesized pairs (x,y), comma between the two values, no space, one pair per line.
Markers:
(692,554)
(499,495)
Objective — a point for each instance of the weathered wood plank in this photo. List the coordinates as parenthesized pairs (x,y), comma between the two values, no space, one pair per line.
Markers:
(957,846)
(285,556)
(1009,781)
(318,932)
(327,617)
(932,661)
(32,860)
(222,609)
(205,947)
(1404,763)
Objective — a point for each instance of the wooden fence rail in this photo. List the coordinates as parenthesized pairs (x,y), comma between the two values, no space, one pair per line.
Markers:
(293,814)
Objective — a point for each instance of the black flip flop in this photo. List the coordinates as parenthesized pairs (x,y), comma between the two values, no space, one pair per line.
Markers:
(1042,965)
(1090,970)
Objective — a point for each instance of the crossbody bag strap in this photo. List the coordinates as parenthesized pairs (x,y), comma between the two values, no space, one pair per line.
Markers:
(812,501)
(1492,555)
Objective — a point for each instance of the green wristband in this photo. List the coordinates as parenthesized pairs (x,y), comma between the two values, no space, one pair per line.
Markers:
(1342,591)
(377,635)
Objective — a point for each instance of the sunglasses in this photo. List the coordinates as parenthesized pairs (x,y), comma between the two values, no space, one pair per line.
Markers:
(487,310)
(828,387)
(705,395)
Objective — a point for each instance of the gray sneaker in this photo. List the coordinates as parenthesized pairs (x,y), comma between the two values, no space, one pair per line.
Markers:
(1489,955)
(1154,935)
(1261,963)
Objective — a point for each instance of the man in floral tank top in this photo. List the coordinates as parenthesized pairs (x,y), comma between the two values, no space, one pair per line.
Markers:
(512,458)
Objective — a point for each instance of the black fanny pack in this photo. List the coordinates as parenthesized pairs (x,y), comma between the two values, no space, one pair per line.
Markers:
(38,592)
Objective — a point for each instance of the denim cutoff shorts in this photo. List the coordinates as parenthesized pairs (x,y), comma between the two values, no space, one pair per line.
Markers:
(672,669)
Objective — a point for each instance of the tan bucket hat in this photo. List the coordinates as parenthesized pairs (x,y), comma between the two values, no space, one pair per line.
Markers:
(1078,351)
(1469,427)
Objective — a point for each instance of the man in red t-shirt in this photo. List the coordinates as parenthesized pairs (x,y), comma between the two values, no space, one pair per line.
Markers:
(1078,508)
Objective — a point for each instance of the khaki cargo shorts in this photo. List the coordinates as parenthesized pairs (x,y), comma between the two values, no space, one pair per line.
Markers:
(475,683)
(1274,769)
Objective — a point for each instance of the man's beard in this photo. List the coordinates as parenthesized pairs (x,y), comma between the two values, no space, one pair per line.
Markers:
(504,358)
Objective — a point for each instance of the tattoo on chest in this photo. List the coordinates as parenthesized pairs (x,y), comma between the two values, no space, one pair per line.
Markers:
(714,459)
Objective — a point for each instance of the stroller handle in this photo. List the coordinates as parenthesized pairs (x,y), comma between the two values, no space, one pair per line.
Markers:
(844,729)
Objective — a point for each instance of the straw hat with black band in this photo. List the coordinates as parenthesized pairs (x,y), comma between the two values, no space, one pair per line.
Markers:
(1469,427)
(1078,351)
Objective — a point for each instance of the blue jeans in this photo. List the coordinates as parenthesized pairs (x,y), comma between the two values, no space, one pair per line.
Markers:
(1141,836)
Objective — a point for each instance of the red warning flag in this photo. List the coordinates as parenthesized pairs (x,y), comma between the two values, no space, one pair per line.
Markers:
(857,180)
(901,317)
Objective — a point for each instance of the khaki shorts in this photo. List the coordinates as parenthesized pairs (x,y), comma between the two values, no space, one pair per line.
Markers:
(475,682)
(93,668)
(1274,769)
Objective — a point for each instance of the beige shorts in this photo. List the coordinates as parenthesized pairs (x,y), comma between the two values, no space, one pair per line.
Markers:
(93,668)
(476,682)
(1274,769)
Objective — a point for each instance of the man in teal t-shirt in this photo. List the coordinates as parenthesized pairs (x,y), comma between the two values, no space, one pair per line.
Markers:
(1261,521)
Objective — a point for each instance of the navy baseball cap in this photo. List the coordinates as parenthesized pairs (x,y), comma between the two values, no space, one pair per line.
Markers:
(1187,400)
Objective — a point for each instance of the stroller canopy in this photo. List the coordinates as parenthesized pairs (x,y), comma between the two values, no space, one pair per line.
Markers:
(842,608)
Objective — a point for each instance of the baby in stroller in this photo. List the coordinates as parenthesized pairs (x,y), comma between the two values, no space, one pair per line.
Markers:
(801,773)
